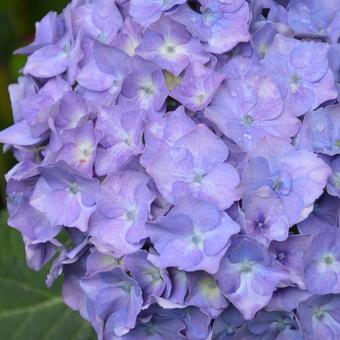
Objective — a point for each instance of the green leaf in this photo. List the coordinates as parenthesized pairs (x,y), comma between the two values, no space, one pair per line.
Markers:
(29,310)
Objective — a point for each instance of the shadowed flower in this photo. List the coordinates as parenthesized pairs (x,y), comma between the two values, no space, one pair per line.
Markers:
(319,317)
(322,263)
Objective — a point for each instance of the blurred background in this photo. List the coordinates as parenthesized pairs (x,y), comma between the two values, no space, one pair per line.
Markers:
(28,309)
(17,26)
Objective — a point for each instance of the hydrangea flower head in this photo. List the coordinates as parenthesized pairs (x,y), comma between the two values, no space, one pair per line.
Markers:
(178,166)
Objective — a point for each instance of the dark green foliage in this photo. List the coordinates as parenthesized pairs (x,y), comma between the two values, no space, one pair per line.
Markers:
(29,310)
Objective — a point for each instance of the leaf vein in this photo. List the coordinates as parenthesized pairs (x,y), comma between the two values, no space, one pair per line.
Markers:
(25,286)
(56,323)
(31,309)
(23,324)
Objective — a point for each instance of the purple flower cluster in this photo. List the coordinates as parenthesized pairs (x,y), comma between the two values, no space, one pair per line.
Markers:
(178,163)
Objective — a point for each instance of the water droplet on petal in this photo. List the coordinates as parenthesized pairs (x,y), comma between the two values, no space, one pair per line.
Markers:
(247,136)
(319,127)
